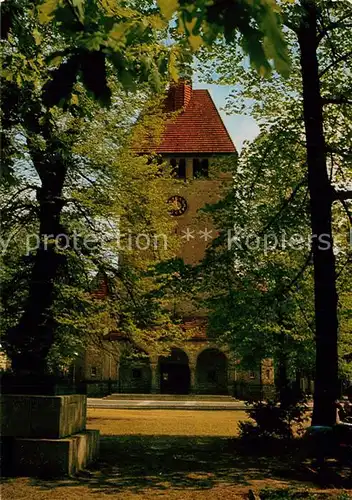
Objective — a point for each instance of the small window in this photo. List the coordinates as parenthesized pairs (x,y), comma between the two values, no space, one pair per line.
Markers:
(196,167)
(93,371)
(252,375)
(181,174)
(200,168)
(136,373)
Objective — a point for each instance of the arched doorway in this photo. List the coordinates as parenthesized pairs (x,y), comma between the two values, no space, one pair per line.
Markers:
(174,373)
(211,372)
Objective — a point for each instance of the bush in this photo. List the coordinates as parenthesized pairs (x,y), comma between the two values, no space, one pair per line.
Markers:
(273,420)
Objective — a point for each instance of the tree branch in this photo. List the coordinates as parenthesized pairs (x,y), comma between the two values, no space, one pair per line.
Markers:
(20,191)
(344,57)
(347,155)
(310,324)
(345,206)
(285,204)
(334,25)
(342,194)
(343,267)
(300,273)
(336,100)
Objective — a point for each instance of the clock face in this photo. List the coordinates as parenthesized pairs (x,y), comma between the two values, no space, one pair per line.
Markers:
(178,205)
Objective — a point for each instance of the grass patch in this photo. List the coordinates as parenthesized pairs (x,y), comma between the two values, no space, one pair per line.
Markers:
(116,422)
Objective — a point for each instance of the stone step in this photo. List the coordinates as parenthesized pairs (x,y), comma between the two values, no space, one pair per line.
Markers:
(169,397)
(51,458)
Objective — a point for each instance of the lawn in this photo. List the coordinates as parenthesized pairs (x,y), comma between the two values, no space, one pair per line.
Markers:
(172,454)
(165,422)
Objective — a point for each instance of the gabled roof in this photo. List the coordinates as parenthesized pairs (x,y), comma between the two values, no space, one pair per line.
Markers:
(197,126)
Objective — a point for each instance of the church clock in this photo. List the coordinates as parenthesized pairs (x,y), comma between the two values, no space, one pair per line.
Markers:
(178,205)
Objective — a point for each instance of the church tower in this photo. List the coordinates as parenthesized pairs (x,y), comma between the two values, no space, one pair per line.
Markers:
(193,142)
(194,139)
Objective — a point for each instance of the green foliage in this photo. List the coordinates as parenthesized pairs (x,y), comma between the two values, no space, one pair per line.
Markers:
(110,195)
(249,278)
(272,421)
(95,38)
(258,25)
(130,38)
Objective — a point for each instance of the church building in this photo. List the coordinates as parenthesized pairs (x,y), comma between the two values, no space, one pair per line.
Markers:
(193,141)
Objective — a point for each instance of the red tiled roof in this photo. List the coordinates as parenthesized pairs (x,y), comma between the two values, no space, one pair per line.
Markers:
(197,128)
(199,327)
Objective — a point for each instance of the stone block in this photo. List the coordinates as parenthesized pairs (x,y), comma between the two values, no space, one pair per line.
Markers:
(52,417)
(53,457)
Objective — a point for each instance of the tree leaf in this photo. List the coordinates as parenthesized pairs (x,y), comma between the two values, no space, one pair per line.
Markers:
(37,36)
(195,41)
(168,7)
(75,99)
(47,9)
(173,71)
(127,79)
(78,5)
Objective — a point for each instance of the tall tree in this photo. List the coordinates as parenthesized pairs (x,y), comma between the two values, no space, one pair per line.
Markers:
(61,164)
(317,95)
(114,224)
(321,198)
(254,281)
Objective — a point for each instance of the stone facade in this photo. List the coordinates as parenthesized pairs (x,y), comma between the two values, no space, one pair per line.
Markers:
(198,192)
(196,366)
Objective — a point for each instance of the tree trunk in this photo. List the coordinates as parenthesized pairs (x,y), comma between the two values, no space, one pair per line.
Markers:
(282,382)
(326,378)
(30,341)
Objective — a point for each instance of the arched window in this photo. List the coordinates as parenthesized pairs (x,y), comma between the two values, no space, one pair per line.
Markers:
(211,372)
(200,167)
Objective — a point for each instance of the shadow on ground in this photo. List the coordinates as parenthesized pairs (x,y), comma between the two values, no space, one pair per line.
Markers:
(134,463)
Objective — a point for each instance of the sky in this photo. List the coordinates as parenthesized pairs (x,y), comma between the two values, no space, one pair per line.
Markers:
(240,128)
